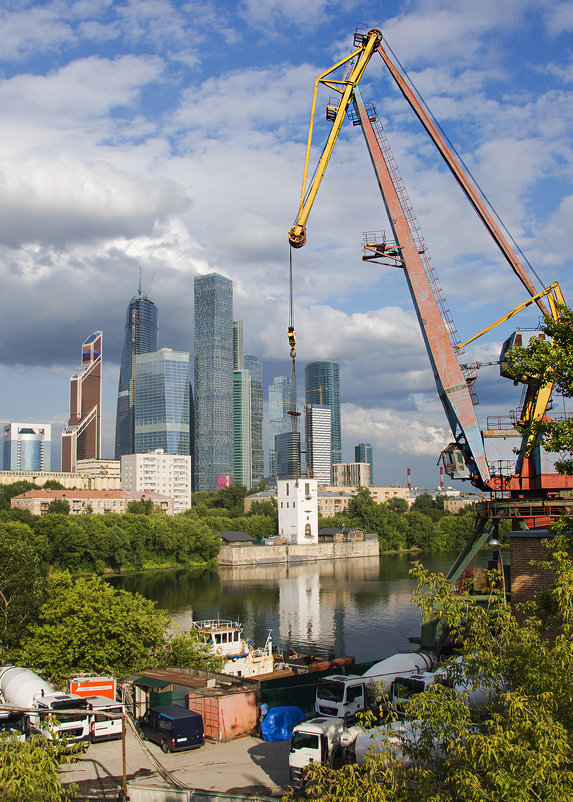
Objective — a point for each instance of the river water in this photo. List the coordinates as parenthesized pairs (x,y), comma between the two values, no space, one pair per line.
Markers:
(359,607)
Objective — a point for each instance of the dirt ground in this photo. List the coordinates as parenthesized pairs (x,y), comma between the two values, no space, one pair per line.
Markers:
(244,765)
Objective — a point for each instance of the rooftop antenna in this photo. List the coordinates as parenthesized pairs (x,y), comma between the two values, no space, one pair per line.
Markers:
(139,288)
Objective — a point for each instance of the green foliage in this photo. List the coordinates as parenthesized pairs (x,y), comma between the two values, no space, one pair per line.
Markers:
(59,506)
(21,585)
(88,626)
(15,489)
(190,649)
(143,506)
(546,361)
(30,772)
(521,749)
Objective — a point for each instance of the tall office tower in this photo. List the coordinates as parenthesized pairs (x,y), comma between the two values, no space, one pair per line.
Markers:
(319,443)
(351,474)
(139,337)
(81,439)
(322,386)
(255,368)
(27,447)
(363,453)
(287,445)
(162,401)
(242,427)
(279,420)
(213,380)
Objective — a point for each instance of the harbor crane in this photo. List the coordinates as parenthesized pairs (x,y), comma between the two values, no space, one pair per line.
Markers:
(519,477)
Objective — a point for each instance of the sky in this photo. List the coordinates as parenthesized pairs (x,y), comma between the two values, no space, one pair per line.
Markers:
(169,137)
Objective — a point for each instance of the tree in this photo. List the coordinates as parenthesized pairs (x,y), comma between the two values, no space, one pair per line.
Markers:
(29,772)
(59,506)
(21,584)
(546,361)
(522,750)
(143,506)
(232,498)
(89,626)
(190,649)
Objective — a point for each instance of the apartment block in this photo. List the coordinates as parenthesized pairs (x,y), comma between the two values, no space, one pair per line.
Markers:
(158,472)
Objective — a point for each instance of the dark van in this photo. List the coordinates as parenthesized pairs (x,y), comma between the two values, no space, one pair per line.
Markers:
(173,727)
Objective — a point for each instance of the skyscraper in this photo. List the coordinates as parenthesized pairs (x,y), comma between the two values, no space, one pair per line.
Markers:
(27,447)
(287,445)
(162,401)
(322,386)
(255,368)
(213,380)
(140,337)
(242,427)
(318,443)
(363,453)
(81,439)
(279,419)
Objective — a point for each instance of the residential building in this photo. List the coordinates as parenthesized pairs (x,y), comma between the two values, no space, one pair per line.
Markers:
(363,453)
(81,439)
(97,501)
(255,368)
(280,400)
(140,337)
(318,442)
(213,380)
(379,494)
(27,447)
(351,474)
(322,386)
(287,445)
(158,472)
(162,404)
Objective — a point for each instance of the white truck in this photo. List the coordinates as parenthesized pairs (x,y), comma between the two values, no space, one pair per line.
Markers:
(344,696)
(25,690)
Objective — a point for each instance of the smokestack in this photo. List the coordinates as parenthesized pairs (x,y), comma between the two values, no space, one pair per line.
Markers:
(441,478)
(409,479)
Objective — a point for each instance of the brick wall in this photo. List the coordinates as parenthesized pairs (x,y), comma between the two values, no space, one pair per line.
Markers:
(528,580)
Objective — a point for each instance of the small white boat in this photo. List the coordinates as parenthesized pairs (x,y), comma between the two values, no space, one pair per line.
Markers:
(227,640)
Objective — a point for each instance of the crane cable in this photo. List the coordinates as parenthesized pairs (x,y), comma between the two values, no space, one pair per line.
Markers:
(292,344)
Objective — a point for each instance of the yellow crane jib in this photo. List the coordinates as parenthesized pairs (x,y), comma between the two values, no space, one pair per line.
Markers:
(361,56)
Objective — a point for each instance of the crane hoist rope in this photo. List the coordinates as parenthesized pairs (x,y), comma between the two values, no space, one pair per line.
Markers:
(292,344)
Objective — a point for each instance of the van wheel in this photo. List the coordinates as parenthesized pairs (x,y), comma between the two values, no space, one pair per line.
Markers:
(165,747)
(141,734)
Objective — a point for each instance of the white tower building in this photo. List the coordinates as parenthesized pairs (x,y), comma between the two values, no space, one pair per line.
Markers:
(298,510)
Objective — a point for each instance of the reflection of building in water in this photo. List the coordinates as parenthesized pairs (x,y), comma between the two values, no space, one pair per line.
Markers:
(307,620)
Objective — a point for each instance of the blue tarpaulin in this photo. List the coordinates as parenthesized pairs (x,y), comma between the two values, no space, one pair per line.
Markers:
(278,723)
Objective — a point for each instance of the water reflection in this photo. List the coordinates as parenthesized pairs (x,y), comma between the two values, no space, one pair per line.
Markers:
(357,607)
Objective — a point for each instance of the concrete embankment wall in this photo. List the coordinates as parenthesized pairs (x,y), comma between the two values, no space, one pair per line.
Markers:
(262,555)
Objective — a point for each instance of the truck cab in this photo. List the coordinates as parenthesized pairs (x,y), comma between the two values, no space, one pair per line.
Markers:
(315,740)
(340,695)
(13,723)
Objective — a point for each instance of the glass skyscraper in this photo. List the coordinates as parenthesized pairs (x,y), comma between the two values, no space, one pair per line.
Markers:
(81,439)
(255,368)
(140,337)
(322,386)
(27,447)
(363,453)
(213,380)
(279,419)
(318,443)
(162,402)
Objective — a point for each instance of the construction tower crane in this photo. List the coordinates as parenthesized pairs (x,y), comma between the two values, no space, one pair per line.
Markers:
(526,489)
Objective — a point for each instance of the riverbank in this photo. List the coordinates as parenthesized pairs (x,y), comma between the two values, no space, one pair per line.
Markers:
(265,555)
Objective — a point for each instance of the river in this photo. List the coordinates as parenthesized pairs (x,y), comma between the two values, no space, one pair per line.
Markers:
(358,607)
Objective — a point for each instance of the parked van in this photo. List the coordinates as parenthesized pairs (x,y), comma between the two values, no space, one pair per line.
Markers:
(173,727)
(104,727)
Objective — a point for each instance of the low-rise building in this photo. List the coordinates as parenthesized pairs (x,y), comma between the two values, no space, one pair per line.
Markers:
(156,471)
(96,501)
(379,494)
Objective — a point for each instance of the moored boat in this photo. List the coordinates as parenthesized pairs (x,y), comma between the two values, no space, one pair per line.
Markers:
(227,640)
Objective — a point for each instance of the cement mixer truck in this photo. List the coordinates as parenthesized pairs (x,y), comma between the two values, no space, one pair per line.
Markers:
(344,696)
(25,690)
